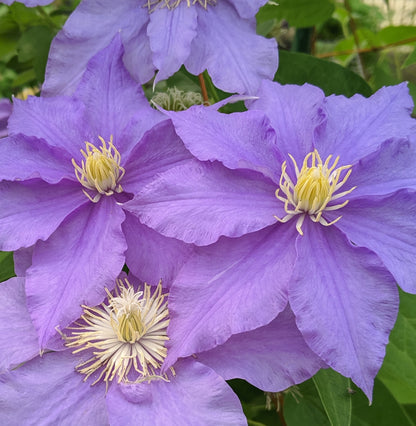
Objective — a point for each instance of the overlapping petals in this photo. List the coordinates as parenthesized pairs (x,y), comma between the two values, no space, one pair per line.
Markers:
(79,242)
(332,275)
(181,399)
(220,38)
(230,287)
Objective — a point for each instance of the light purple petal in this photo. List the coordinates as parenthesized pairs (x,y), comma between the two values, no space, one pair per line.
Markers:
(59,121)
(345,303)
(138,56)
(84,256)
(239,140)
(32,210)
(232,286)
(22,259)
(159,150)
(198,202)
(5,111)
(150,256)
(18,337)
(272,358)
(385,225)
(170,34)
(247,8)
(358,126)
(236,58)
(390,168)
(47,391)
(89,29)
(113,99)
(295,112)
(195,396)
(23,157)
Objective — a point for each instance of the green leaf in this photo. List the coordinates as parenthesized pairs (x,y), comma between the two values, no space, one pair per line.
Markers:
(8,43)
(299,68)
(253,401)
(333,391)
(385,410)
(304,13)
(399,369)
(306,408)
(396,34)
(24,16)
(411,59)
(34,45)
(6,265)
(412,89)
(24,78)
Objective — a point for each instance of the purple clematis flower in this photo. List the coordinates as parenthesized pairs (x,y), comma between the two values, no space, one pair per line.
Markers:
(5,111)
(108,366)
(216,35)
(302,199)
(66,169)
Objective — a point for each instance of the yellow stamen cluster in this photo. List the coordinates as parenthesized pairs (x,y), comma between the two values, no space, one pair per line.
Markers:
(172,4)
(128,332)
(316,186)
(100,171)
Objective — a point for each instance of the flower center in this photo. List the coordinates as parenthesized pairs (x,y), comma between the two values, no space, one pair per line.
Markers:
(172,4)
(100,170)
(316,187)
(126,334)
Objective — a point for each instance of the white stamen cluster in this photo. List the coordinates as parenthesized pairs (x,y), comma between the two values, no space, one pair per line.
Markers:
(127,334)
(172,4)
(100,171)
(316,187)
(176,100)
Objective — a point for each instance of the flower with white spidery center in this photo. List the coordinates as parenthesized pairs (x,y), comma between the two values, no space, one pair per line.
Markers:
(128,332)
(316,186)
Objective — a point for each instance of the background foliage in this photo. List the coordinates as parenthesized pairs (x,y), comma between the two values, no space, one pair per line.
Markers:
(344,47)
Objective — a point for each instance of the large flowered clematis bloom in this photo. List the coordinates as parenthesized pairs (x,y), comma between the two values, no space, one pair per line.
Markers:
(5,111)
(162,35)
(108,366)
(302,199)
(66,169)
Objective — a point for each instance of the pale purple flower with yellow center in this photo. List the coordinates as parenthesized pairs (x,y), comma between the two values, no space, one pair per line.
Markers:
(163,35)
(107,367)
(66,168)
(5,111)
(302,199)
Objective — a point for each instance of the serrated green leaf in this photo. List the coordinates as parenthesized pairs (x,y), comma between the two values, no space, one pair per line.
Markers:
(333,391)
(399,368)
(299,68)
(6,265)
(304,13)
(385,410)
